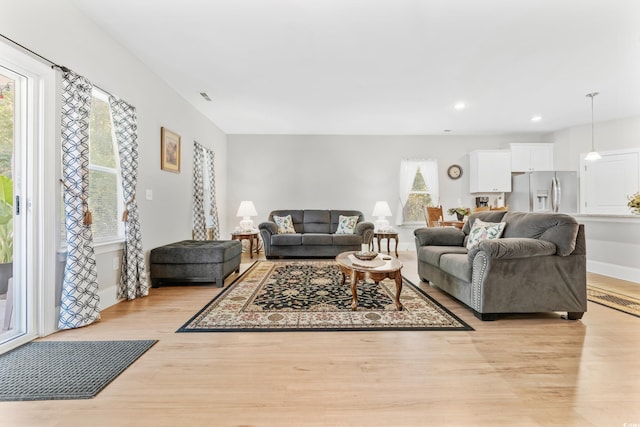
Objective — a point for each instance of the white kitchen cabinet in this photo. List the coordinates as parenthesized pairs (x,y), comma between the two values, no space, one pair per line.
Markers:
(527,157)
(490,171)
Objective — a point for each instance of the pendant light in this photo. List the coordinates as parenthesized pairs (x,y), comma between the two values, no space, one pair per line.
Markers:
(593,154)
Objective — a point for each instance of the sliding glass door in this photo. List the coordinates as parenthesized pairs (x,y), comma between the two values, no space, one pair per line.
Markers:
(13,98)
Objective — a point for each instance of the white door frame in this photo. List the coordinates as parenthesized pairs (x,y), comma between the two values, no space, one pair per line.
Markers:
(38,166)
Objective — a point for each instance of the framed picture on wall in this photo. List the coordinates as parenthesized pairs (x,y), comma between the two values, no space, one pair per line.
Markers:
(169,151)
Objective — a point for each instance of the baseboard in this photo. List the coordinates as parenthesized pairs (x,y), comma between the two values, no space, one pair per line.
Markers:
(612,270)
(108,297)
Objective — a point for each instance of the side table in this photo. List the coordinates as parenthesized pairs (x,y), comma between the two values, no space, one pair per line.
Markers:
(251,236)
(381,235)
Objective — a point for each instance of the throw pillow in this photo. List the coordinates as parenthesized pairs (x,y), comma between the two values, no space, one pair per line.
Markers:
(285,224)
(481,230)
(347,224)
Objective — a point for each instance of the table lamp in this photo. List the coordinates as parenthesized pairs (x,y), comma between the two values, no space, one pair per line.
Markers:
(246,211)
(381,210)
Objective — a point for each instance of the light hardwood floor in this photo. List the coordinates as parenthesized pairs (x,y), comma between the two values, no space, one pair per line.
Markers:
(521,370)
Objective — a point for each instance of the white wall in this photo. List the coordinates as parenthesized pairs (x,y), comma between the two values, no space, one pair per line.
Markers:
(609,135)
(344,172)
(613,242)
(59,32)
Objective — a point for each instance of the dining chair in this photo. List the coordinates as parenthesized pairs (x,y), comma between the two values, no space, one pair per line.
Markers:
(433,215)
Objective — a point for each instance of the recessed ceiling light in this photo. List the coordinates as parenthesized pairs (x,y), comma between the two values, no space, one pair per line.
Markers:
(536,118)
(460,106)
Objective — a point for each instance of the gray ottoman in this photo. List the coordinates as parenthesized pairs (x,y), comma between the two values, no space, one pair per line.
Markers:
(193,261)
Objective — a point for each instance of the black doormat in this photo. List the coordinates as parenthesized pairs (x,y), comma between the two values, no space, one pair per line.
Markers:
(58,370)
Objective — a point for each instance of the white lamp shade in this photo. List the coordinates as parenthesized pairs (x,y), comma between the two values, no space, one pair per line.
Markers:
(381,209)
(247,209)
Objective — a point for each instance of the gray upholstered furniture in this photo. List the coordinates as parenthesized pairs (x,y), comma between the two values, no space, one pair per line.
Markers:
(192,261)
(539,264)
(315,234)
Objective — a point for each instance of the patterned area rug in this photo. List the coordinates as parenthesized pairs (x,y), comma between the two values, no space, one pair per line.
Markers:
(57,370)
(614,300)
(309,296)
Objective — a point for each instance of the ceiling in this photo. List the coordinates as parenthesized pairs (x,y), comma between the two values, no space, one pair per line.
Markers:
(388,67)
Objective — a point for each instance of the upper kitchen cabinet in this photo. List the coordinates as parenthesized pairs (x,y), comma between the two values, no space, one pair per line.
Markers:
(490,171)
(526,157)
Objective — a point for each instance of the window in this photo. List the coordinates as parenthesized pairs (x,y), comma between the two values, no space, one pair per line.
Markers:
(418,188)
(105,188)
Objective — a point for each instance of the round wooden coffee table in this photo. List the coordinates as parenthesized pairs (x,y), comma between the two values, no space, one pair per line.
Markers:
(382,267)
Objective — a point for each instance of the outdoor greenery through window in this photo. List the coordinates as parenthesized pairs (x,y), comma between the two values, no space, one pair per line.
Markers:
(105,190)
(418,188)
(419,197)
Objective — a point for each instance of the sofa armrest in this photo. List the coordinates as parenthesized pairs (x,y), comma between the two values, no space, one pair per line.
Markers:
(439,236)
(365,229)
(269,227)
(513,247)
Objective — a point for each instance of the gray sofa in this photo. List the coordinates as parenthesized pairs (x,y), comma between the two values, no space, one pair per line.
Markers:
(315,234)
(538,265)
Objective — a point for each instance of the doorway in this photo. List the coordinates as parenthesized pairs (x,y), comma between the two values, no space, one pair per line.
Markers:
(13,91)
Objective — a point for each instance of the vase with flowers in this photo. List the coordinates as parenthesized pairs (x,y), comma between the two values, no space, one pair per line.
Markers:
(634,203)
(459,212)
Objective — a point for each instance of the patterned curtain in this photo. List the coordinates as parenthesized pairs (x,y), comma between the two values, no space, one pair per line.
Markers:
(201,157)
(213,208)
(79,303)
(133,277)
(199,222)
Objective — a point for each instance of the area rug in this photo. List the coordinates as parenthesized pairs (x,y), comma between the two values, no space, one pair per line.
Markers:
(614,300)
(58,370)
(309,296)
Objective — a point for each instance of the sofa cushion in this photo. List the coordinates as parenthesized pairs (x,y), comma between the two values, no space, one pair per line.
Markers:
(196,252)
(297,217)
(346,239)
(486,216)
(432,254)
(458,265)
(284,224)
(559,229)
(286,239)
(317,221)
(335,217)
(347,224)
(317,239)
(481,230)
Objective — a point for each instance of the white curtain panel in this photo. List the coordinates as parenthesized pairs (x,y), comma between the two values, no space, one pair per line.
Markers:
(79,302)
(133,277)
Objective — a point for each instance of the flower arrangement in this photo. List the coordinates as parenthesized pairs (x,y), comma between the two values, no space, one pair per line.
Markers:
(460,211)
(634,203)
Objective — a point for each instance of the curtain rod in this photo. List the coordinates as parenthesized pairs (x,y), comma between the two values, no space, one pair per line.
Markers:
(50,62)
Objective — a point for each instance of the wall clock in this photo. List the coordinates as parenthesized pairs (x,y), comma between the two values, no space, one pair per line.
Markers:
(454,171)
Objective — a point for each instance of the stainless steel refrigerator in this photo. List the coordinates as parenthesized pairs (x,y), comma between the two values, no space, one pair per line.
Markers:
(549,191)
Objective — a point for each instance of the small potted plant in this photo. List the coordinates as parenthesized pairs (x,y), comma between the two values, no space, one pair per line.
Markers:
(6,232)
(460,212)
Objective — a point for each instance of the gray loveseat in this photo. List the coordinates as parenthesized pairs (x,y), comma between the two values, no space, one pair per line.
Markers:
(315,234)
(538,265)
